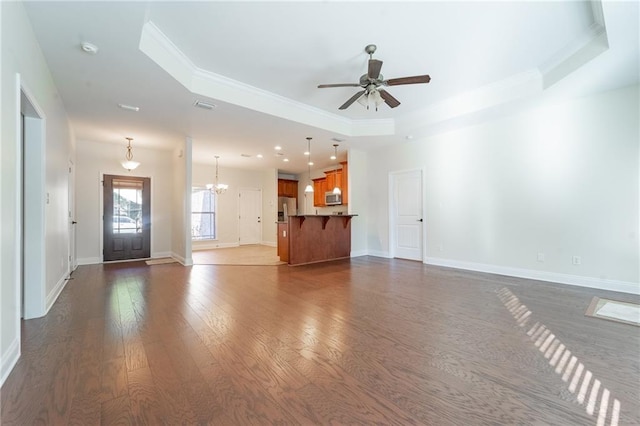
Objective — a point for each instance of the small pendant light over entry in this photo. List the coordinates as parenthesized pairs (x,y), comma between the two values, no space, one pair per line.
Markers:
(129,164)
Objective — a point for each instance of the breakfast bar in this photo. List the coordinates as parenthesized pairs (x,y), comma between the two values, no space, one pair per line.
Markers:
(314,238)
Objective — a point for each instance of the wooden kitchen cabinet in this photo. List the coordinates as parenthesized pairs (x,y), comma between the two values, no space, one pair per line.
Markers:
(319,188)
(327,183)
(287,188)
(334,178)
(345,182)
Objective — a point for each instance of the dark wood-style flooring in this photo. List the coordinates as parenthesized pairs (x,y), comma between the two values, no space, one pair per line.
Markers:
(360,341)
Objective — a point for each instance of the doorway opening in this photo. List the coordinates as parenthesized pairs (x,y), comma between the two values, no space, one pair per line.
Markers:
(32,198)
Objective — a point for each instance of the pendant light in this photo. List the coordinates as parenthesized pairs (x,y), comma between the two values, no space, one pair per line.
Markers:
(309,187)
(337,189)
(220,188)
(129,164)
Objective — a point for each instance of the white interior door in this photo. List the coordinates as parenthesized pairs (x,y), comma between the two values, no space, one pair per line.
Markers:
(406,214)
(250,212)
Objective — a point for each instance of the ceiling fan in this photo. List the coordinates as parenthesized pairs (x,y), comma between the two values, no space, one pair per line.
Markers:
(371,83)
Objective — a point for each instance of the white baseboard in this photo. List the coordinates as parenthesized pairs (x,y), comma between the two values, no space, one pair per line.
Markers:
(358,253)
(53,295)
(184,261)
(9,360)
(212,245)
(555,277)
(160,254)
(269,244)
(378,253)
(89,261)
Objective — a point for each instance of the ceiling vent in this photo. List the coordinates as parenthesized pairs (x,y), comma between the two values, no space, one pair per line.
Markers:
(204,105)
(89,48)
(129,107)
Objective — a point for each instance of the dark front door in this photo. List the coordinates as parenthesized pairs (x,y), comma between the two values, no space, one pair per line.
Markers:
(127,225)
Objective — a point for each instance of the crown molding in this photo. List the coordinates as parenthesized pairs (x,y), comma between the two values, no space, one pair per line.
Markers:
(588,45)
(518,86)
(157,46)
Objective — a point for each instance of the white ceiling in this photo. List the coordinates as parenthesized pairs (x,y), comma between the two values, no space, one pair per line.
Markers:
(261,62)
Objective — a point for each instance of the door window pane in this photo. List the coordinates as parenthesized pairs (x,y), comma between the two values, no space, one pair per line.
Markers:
(203,214)
(127,206)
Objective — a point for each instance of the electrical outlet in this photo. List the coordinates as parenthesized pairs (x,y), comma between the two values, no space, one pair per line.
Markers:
(576,260)
(540,257)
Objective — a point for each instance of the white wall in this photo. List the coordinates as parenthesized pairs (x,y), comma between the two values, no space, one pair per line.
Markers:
(21,55)
(269,207)
(358,179)
(228,204)
(181,205)
(95,159)
(560,180)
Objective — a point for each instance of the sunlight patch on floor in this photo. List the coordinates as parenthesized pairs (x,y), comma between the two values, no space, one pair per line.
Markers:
(560,357)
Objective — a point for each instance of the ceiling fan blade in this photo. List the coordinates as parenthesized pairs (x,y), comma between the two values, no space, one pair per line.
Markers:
(323,86)
(389,100)
(352,99)
(408,80)
(374,69)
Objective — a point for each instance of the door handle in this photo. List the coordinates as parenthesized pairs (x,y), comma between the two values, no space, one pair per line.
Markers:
(73,222)
(419,220)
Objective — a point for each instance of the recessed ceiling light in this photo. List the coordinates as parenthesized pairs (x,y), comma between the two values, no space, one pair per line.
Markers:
(259,155)
(310,163)
(286,160)
(204,105)
(89,48)
(277,147)
(129,107)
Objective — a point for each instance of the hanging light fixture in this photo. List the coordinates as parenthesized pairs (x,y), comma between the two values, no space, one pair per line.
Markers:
(336,189)
(309,187)
(220,188)
(129,164)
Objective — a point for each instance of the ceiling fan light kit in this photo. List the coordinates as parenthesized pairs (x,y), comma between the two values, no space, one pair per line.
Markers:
(372,83)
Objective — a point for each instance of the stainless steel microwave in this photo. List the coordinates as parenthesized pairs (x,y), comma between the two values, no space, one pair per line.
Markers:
(331,199)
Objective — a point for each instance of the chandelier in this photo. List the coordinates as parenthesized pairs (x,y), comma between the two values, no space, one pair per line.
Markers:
(219,188)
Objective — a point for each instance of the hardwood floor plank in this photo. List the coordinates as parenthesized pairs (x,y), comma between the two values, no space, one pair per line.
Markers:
(116,411)
(358,341)
(113,379)
(168,386)
(144,401)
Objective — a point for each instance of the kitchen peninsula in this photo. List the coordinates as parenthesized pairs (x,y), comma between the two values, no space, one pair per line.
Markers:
(314,238)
